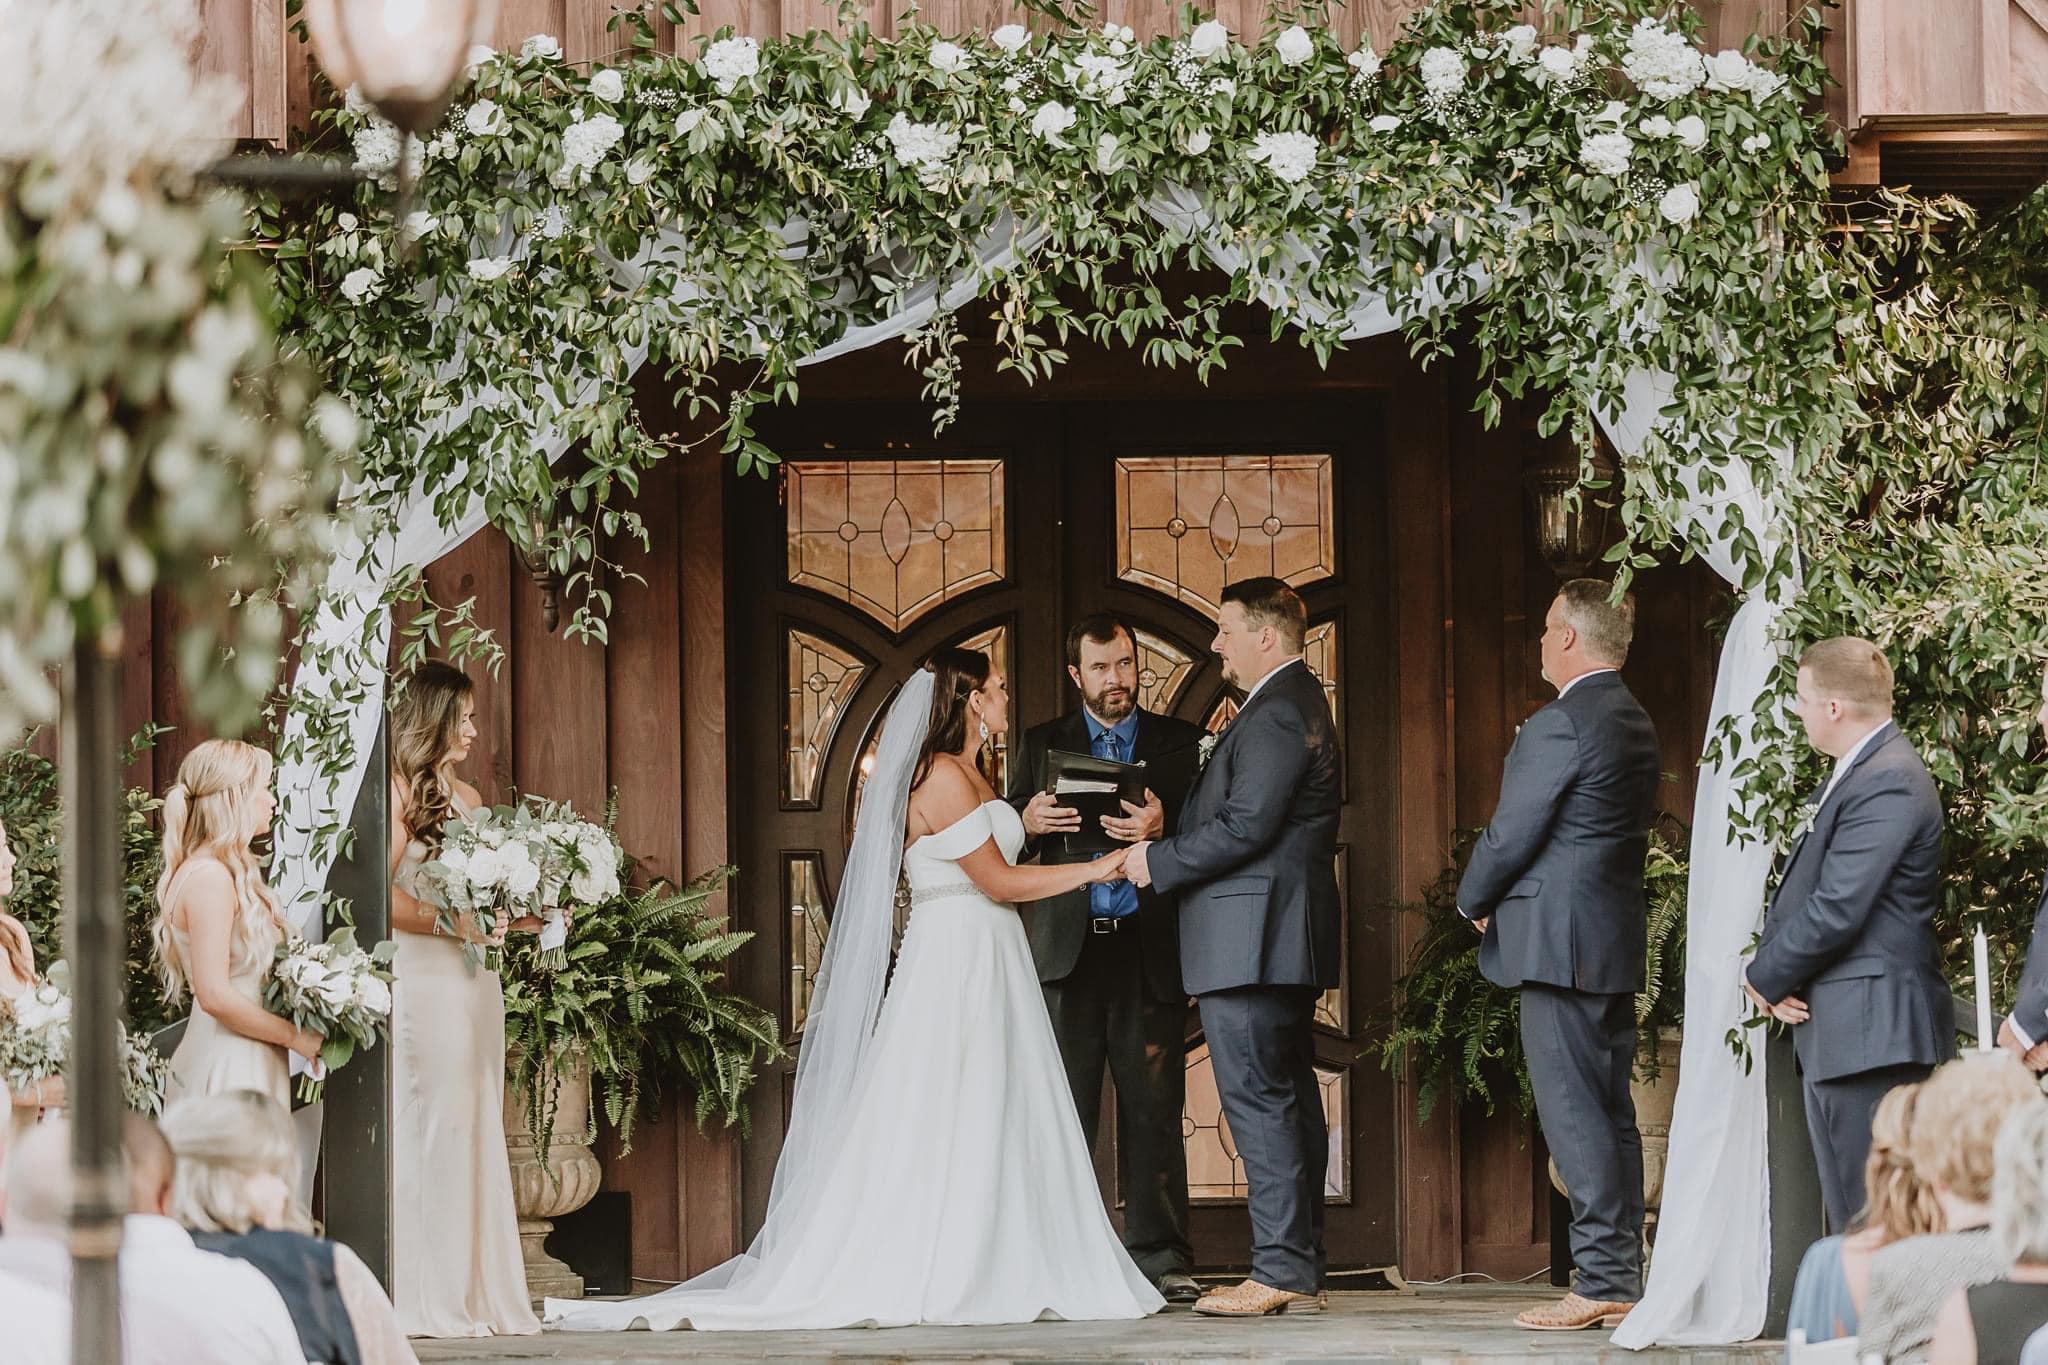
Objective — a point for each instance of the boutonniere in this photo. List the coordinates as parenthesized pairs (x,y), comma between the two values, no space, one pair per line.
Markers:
(1804,825)
(1203,748)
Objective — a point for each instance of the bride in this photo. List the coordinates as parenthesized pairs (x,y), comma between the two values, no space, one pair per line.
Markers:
(934,1170)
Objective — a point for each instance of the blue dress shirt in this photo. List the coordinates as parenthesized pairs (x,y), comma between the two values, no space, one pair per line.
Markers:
(1112,900)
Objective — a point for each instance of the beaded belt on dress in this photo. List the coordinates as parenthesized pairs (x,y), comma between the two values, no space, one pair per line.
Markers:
(920,894)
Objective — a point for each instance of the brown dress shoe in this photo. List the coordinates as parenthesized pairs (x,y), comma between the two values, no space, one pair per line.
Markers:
(1250,1299)
(1573,1313)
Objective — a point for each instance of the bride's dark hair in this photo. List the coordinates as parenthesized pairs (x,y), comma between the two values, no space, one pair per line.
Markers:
(956,674)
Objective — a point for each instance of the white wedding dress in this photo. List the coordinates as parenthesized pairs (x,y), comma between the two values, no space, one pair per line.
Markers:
(959,1189)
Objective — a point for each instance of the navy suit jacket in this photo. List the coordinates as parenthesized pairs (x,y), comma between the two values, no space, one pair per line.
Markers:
(1851,927)
(1255,860)
(1560,867)
(2030,1010)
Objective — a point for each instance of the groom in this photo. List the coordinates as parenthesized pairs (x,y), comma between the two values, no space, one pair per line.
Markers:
(1254,862)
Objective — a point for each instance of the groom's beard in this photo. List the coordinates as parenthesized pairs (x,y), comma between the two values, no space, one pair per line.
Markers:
(1112,703)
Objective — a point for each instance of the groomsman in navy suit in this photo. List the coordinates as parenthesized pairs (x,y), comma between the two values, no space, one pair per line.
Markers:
(1848,957)
(1555,887)
(2025,1031)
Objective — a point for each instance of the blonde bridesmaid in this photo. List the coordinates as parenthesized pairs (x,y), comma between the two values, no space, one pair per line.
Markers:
(217,927)
(458,1271)
(18,976)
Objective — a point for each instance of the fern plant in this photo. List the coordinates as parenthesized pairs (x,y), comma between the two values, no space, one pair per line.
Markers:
(643,994)
(1464,1033)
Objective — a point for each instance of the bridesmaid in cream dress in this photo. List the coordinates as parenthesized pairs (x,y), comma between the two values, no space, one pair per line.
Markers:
(218,926)
(458,1271)
(17,975)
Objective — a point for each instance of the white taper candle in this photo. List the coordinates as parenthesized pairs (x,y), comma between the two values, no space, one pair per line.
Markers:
(1984,1041)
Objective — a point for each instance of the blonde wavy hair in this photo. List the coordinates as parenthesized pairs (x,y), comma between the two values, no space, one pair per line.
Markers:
(222,1142)
(425,723)
(1901,1203)
(210,812)
(14,941)
(1956,1119)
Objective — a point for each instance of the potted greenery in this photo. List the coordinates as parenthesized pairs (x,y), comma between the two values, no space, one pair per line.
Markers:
(1463,1034)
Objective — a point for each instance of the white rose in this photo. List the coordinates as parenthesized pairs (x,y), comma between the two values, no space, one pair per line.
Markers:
(1107,156)
(1727,70)
(1294,46)
(947,58)
(521,874)
(1011,37)
(334,990)
(852,102)
(1559,64)
(376,996)
(360,284)
(1197,142)
(1655,126)
(1223,86)
(1365,62)
(1607,153)
(418,224)
(1209,39)
(1015,104)
(1051,120)
(479,53)
(1384,123)
(346,222)
(608,85)
(484,269)
(1443,71)
(1519,43)
(455,860)
(541,45)
(1680,204)
(1691,131)
(484,119)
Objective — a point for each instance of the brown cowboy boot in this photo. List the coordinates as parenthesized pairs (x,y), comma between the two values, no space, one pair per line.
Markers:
(1250,1299)
(1573,1313)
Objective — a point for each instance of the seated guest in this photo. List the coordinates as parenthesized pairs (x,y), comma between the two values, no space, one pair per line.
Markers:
(1955,1129)
(37,1322)
(179,1305)
(236,1162)
(1834,1275)
(1990,1323)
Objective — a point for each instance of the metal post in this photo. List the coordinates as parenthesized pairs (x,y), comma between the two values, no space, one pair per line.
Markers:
(95,945)
(355,1140)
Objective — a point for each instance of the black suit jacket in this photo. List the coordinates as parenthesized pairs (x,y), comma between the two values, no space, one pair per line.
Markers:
(1255,860)
(1851,927)
(2030,1010)
(1560,867)
(1169,749)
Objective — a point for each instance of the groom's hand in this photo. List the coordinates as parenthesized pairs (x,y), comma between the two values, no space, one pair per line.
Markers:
(1139,822)
(1135,870)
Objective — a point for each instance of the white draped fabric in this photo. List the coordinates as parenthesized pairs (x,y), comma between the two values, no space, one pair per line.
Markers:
(1711,1271)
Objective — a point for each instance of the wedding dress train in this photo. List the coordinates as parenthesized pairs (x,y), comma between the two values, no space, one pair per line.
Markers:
(959,1189)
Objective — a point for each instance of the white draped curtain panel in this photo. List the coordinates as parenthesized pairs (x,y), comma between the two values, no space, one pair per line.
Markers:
(1709,1279)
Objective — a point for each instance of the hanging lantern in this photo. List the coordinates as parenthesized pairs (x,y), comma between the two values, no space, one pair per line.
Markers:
(404,56)
(1571,520)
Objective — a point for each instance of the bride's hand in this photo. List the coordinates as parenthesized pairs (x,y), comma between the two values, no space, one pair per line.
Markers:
(1109,867)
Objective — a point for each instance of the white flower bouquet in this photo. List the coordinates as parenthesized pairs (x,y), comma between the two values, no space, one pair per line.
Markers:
(35,1044)
(579,869)
(487,872)
(335,989)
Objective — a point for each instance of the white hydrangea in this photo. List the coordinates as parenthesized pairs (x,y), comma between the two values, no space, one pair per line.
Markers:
(1607,153)
(1692,131)
(608,85)
(541,45)
(1564,67)
(1763,84)
(1099,76)
(377,146)
(1011,38)
(1655,126)
(1663,64)
(1294,46)
(923,148)
(553,223)
(1209,40)
(729,61)
(485,269)
(1443,71)
(1109,155)
(1756,142)
(947,58)
(361,284)
(1051,121)
(1289,156)
(1518,44)
(1680,205)
(1384,123)
(484,119)
(585,142)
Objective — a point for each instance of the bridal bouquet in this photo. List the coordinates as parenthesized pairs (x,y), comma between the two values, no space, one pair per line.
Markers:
(334,989)
(35,1044)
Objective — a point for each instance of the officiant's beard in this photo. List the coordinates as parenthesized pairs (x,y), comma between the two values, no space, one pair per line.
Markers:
(1112,703)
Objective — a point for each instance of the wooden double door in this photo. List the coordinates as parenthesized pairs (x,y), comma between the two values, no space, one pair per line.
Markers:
(876,543)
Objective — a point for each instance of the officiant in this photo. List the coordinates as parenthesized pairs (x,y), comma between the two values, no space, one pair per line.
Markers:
(1108,956)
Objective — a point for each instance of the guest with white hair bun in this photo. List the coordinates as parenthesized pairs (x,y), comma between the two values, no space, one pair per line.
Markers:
(1989,1324)
(237,1160)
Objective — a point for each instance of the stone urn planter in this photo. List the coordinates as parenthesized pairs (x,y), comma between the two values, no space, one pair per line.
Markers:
(1654,1100)
(566,1183)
